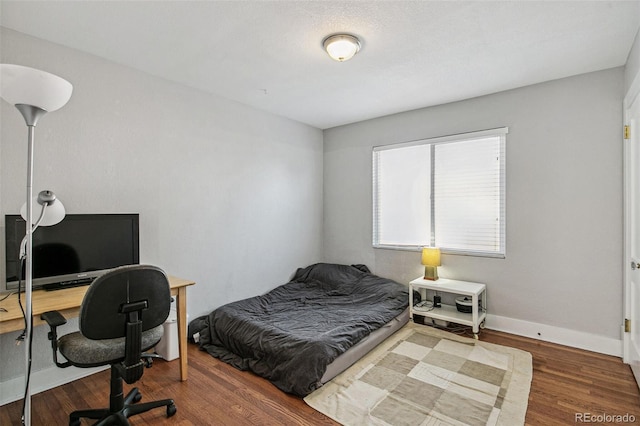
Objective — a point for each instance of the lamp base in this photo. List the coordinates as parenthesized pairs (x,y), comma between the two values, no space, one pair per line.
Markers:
(431,273)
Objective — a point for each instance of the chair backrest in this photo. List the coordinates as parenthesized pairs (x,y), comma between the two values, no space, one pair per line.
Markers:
(100,312)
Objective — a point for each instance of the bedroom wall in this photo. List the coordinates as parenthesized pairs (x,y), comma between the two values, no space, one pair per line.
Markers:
(561,279)
(228,196)
(632,68)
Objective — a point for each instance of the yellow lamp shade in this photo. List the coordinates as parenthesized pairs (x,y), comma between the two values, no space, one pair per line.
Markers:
(431,256)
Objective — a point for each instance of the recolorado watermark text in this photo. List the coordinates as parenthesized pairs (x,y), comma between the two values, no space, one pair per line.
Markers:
(604,418)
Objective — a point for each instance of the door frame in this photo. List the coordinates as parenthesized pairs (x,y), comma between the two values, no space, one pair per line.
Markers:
(632,95)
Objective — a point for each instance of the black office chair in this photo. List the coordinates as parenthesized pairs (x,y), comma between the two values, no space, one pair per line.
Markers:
(120,317)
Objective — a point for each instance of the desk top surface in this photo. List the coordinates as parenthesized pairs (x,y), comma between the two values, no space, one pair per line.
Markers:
(59,300)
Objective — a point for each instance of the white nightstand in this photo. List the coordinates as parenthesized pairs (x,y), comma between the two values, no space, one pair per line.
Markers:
(477,292)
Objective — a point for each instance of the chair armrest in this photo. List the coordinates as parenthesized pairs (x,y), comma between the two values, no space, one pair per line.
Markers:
(53,318)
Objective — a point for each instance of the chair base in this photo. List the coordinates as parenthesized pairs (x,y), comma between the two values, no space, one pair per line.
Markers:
(106,416)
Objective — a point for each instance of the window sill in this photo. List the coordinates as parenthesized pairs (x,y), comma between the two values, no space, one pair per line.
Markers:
(443,251)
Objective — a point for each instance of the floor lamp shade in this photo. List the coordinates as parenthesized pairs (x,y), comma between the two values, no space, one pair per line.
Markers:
(20,85)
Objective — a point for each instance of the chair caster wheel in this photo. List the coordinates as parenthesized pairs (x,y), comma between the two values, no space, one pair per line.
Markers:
(171,410)
(74,422)
(137,398)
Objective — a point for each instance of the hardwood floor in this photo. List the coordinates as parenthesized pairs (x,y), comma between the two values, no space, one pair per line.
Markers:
(566,381)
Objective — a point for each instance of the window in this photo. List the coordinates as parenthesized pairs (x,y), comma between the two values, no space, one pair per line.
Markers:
(446,192)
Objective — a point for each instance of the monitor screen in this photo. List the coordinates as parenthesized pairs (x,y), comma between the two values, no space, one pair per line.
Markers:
(81,246)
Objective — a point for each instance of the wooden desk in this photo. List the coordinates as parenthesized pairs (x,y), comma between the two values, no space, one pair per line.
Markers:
(68,302)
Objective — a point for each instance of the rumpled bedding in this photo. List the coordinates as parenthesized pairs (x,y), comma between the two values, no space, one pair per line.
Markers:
(290,334)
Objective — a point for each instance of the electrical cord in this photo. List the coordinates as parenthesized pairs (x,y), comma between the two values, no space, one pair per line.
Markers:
(424,306)
(459,330)
(21,338)
(28,373)
(7,296)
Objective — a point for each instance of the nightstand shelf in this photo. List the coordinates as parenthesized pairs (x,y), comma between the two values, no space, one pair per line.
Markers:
(477,292)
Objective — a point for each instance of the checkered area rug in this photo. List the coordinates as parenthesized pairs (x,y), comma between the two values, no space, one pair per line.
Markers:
(424,376)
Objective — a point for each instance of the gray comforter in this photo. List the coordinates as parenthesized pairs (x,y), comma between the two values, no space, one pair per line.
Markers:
(290,334)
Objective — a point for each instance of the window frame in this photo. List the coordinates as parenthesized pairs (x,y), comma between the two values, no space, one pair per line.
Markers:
(500,132)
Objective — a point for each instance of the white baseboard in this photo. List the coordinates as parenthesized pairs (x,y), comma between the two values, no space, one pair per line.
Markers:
(562,336)
(42,380)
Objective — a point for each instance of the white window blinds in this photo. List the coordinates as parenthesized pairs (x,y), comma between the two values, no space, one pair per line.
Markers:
(446,192)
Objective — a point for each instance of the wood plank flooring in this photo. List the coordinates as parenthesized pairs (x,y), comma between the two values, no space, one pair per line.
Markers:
(566,381)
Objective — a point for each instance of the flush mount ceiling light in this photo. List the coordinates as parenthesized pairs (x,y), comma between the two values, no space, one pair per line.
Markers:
(341,47)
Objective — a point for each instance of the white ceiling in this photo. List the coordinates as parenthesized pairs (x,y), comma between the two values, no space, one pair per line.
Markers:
(268,54)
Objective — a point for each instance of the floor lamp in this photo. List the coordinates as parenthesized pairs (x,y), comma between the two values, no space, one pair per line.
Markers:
(34,93)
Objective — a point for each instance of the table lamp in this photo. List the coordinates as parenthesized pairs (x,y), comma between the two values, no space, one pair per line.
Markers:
(431,261)
(52,212)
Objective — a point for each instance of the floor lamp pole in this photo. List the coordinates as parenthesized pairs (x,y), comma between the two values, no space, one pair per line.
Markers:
(31,115)
(29,277)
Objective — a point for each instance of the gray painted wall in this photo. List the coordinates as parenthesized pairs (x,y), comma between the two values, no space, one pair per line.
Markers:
(564,199)
(632,67)
(228,196)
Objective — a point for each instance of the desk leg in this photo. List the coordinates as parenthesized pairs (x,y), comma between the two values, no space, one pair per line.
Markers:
(182,331)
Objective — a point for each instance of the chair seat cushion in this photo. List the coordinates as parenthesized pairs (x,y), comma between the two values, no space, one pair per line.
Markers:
(83,352)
